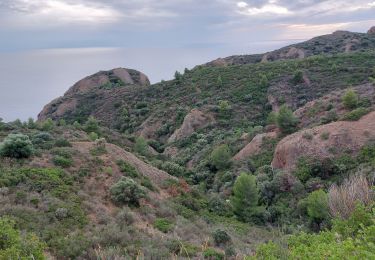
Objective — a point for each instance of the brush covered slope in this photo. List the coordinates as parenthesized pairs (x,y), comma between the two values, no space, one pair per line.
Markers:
(209,165)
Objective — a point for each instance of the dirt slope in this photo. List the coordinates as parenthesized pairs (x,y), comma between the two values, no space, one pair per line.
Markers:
(324,141)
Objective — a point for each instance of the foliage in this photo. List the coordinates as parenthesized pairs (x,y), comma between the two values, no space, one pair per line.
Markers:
(298,77)
(212,254)
(245,197)
(286,120)
(220,157)
(356,114)
(127,169)
(164,225)
(91,125)
(62,161)
(317,206)
(14,245)
(221,237)
(350,99)
(127,191)
(140,146)
(348,239)
(16,146)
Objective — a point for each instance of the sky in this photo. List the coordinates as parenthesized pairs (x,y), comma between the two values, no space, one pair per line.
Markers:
(48,45)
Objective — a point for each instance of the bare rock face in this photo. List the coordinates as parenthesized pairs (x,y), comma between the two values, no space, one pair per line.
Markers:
(104,81)
(254,147)
(194,120)
(339,136)
(371,31)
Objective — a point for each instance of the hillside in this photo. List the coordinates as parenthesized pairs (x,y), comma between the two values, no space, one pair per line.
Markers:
(330,44)
(251,160)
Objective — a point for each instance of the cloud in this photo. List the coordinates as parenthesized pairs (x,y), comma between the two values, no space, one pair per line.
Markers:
(268,9)
(64,11)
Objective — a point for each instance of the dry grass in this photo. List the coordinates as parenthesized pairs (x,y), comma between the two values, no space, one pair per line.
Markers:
(343,198)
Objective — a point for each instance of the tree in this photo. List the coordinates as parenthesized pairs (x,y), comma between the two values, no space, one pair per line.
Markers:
(317,206)
(286,120)
(350,99)
(16,146)
(220,157)
(245,197)
(127,191)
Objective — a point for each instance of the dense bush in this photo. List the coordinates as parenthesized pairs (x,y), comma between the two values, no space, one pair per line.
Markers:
(91,125)
(141,146)
(317,206)
(350,99)
(220,157)
(356,114)
(211,253)
(348,239)
(127,169)
(62,161)
(164,225)
(221,237)
(16,146)
(14,245)
(286,120)
(127,191)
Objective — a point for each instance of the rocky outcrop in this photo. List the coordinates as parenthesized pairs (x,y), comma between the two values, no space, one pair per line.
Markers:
(371,30)
(254,147)
(326,141)
(103,84)
(193,121)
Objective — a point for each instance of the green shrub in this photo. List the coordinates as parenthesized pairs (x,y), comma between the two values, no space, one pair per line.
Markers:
(47,125)
(220,157)
(128,169)
(286,120)
(93,136)
(221,237)
(16,146)
(212,254)
(164,225)
(141,146)
(91,125)
(356,114)
(62,161)
(62,142)
(317,206)
(127,191)
(350,99)
(14,245)
(298,77)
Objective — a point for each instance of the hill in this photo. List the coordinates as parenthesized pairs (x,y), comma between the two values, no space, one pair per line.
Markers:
(254,160)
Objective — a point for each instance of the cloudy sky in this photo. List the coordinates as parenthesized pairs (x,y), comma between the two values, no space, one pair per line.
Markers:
(47,45)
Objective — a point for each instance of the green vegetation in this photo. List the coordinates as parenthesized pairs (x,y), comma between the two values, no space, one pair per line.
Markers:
(350,99)
(16,146)
(164,225)
(317,206)
(127,191)
(286,121)
(141,146)
(14,245)
(245,197)
(220,157)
